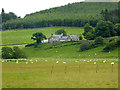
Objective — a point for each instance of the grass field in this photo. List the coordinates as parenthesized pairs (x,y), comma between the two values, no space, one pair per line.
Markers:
(24,36)
(79,74)
(67,50)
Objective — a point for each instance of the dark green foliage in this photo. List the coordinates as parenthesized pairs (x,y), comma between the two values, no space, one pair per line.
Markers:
(90,36)
(9,16)
(80,37)
(112,45)
(9,53)
(76,14)
(88,32)
(104,29)
(112,39)
(117,29)
(18,53)
(87,45)
(38,37)
(62,31)
(87,28)
(99,41)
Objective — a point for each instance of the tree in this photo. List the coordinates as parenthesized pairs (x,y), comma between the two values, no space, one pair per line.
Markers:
(102,29)
(38,37)
(87,28)
(7,53)
(88,32)
(90,36)
(61,31)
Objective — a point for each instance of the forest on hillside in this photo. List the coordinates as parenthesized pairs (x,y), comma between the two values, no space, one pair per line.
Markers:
(75,14)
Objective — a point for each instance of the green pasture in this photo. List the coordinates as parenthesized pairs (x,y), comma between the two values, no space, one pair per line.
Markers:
(79,74)
(67,50)
(24,36)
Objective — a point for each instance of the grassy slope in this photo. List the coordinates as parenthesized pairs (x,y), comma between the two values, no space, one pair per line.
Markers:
(67,51)
(24,36)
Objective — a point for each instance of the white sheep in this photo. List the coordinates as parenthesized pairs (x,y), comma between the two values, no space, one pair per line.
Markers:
(64,62)
(94,62)
(112,63)
(104,61)
(17,62)
(26,62)
(57,62)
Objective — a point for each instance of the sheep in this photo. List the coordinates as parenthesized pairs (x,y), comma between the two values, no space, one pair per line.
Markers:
(104,61)
(17,62)
(26,62)
(64,62)
(94,62)
(57,62)
(112,63)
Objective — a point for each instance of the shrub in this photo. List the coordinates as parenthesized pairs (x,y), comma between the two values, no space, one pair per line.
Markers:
(112,45)
(80,37)
(9,53)
(99,41)
(84,46)
(18,53)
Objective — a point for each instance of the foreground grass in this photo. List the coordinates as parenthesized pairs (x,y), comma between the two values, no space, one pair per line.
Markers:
(24,36)
(38,75)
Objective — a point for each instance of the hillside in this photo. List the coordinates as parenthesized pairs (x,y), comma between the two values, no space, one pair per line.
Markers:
(67,50)
(24,36)
(76,14)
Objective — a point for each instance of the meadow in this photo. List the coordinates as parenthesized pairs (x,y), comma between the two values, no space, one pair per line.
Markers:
(67,50)
(74,74)
(78,72)
(24,36)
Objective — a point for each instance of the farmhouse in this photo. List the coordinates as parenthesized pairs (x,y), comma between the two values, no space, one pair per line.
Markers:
(58,38)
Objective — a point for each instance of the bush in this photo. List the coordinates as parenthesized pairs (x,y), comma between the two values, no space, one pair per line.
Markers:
(86,46)
(18,53)
(112,45)
(9,53)
(80,37)
(99,41)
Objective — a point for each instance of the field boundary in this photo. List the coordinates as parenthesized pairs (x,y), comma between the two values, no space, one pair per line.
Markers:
(14,44)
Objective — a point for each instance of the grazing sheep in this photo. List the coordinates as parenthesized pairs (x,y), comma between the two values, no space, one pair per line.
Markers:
(112,63)
(104,61)
(17,62)
(57,62)
(94,62)
(26,62)
(64,62)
